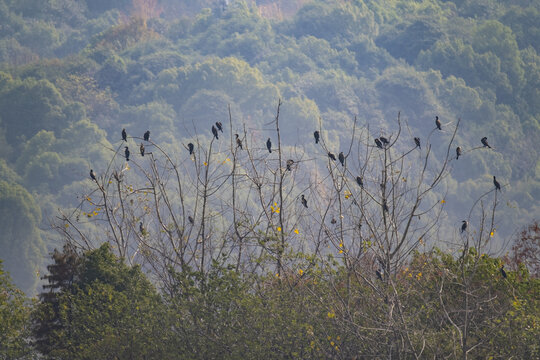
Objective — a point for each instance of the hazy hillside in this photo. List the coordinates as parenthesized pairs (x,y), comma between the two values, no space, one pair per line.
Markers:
(74,73)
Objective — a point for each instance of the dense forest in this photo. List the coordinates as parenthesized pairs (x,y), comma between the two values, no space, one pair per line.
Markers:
(282,188)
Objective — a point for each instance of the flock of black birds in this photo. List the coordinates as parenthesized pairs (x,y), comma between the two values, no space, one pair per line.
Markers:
(380,142)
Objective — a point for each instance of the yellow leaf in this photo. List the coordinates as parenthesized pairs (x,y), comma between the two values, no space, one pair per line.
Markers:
(66,226)
(332,343)
(341,251)
(296,231)
(443,201)
(205,163)
(331,315)
(278,229)
(300,271)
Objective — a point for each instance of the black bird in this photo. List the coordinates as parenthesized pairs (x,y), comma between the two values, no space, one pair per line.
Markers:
(503,273)
(464,225)
(484,142)
(290,163)
(92,175)
(384,140)
(341,158)
(496,183)
(384,206)
(458,152)
(238,141)
(438,123)
(214,131)
(333,221)
(360,182)
(147,135)
(379,275)
(379,143)
(126,152)
(332,156)
(269,145)
(317,136)
(417,142)
(142,149)
(190,148)
(190,219)
(219,126)
(141,228)
(304,201)
(124,135)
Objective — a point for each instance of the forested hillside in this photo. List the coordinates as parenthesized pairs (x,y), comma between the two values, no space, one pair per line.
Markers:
(261,207)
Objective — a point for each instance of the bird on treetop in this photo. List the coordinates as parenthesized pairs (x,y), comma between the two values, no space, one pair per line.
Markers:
(126,153)
(141,148)
(464,225)
(317,136)
(496,183)
(341,158)
(214,131)
(190,219)
(384,140)
(290,163)
(147,135)
(238,141)
(269,145)
(92,175)
(438,123)
(219,126)
(190,147)
(332,156)
(484,142)
(417,142)
(360,182)
(304,201)
(378,143)
(458,152)
(503,273)
(124,135)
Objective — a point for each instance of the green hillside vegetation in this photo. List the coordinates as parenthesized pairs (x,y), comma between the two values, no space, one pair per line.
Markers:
(184,255)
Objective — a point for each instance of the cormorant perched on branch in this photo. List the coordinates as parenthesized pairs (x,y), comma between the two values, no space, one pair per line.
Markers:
(332,156)
(124,135)
(219,126)
(458,152)
(417,142)
(378,143)
(214,131)
(341,158)
(290,163)
(360,182)
(464,225)
(379,275)
(384,206)
(317,136)
(503,273)
(484,142)
(384,140)
(304,201)
(142,149)
(126,153)
(269,145)
(190,148)
(147,135)
(93,175)
(438,123)
(190,219)
(238,141)
(496,183)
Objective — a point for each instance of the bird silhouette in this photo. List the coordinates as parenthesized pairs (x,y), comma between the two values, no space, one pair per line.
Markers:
(126,153)
(332,156)
(458,152)
(214,131)
(341,158)
(238,141)
(304,201)
(384,140)
(141,229)
(190,219)
(438,123)
(379,275)
(124,135)
(141,148)
(147,135)
(219,126)
(484,142)
(317,136)
(190,147)
(378,143)
(503,273)
(360,182)
(290,163)
(384,206)
(417,142)
(464,225)
(496,183)
(92,175)
(269,145)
